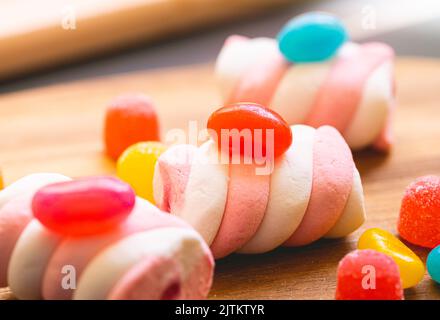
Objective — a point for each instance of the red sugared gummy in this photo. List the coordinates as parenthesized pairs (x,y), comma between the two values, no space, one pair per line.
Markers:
(419,219)
(368,275)
(85,206)
(129,119)
(242,116)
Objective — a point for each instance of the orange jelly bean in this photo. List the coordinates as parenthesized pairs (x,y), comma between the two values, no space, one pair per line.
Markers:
(83,207)
(250,120)
(129,119)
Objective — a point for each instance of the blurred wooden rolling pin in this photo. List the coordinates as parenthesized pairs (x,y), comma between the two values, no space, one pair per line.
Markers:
(37,34)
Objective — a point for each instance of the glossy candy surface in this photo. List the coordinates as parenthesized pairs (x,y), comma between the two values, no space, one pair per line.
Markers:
(433,264)
(258,121)
(411,268)
(129,119)
(136,167)
(419,219)
(83,207)
(311,37)
(368,275)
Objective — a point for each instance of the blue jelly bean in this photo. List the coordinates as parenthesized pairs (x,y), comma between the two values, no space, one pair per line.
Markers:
(433,264)
(311,37)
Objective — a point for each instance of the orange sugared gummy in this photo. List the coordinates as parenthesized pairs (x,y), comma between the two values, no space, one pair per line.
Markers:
(419,220)
(130,118)
(251,116)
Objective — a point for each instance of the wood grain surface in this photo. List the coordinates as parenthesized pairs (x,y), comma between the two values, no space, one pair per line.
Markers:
(60,31)
(58,129)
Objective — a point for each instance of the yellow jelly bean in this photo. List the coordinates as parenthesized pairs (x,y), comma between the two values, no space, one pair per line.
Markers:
(136,167)
(2,184)
(411,267)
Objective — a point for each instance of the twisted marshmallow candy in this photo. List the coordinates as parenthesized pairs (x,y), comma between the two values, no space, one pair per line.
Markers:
(314,191)
(152,255)
(354,92)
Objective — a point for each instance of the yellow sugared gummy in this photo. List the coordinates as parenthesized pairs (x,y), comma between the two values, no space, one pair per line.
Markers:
(411,267)
(136,167)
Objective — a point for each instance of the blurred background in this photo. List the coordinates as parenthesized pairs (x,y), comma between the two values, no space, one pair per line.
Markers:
(53,41)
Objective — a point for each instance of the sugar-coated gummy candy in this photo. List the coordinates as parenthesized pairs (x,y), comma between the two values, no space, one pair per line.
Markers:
(129,119)
(433,264)
(419,219)
(411,268)
(311,37)
(136,167)
(256,120)
(368,275)
(84,206)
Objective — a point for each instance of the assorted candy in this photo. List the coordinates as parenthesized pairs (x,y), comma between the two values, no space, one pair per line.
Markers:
(433,264)
(419,219)
(311,37)
(90,221)
(83,207)
(368,275)
(136,167)
(145,253)
(411,268)
(354,92)
(129,119)
(258,120)
(313,191)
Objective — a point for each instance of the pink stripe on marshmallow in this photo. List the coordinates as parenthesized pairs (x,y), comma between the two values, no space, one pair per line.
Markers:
(154,278)
(259,82)
(332,182)
(341,92)
(248,195)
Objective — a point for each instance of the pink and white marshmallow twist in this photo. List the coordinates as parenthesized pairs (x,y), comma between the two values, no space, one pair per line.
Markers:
(151,255)
(313,191)
(353,92)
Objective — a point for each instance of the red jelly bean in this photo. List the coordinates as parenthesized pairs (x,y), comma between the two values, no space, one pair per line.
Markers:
(83,207)
(368,275)
(129,119)
(250,116)
(419,219)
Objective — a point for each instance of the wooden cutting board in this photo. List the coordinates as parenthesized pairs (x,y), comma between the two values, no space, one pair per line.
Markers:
(37,34)
(58,129)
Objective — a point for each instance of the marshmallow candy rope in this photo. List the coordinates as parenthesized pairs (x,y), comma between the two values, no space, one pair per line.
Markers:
(353,92)
(313,191)
(151,255)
